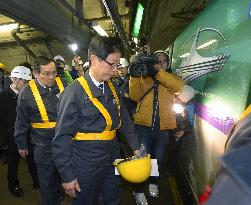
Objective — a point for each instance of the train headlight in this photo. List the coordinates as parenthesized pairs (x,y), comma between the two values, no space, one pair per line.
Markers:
(178,108)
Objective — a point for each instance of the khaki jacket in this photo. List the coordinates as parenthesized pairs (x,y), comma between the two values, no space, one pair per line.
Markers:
(169,85)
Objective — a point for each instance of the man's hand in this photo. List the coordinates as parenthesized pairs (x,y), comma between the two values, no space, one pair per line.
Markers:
(127,95)
(23,152)
(140,152)
(78,65)
(71,187)
(153,71)
(179,134)
(136,152)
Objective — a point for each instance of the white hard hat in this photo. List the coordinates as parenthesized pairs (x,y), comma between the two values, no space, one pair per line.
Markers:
(123,62)
(59,57)
(21,72)
(187,94)
(161,51)
(86,64)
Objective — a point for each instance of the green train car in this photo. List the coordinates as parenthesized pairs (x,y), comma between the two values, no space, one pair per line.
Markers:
(213,56)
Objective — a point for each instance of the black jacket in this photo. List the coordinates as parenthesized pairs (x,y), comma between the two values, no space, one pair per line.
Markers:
(123,84)
(28,112)
(78,114)
(8,103)
(233,184)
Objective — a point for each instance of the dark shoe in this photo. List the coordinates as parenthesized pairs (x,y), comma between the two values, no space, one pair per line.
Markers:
(4,161)
(154,190)
(61,197)
(140,198)
(36,186)
(4,156)
(17,192)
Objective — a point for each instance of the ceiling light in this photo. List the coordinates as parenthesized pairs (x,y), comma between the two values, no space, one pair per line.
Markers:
(137,21)
(73,47)
(99,29)
(8,27)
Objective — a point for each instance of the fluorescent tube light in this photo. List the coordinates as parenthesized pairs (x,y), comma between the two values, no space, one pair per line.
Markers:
(99,29)
(8,27)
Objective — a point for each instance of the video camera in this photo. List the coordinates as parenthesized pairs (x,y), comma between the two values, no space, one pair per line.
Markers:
(60,68)
(141,64)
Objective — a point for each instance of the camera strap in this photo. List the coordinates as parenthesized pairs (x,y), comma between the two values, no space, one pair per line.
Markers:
(140,100)
(145,94)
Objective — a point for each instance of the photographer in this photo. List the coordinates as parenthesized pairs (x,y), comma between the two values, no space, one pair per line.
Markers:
(61,72)
(154,90)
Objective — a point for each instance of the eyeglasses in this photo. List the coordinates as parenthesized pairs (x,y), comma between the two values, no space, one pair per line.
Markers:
(47,74)
(114,65)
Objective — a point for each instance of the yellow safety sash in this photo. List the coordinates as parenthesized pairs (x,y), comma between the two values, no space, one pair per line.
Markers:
(116,98)
(107,134)
(43,113)
(59,84)
(245,113)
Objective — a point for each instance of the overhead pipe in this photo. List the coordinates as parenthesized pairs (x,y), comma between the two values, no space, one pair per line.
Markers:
(20,42)
(108,19)
(79,9)
(147,14)
(113,13)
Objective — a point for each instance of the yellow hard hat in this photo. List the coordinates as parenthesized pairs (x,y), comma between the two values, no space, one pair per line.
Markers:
(3,66)
(133,169)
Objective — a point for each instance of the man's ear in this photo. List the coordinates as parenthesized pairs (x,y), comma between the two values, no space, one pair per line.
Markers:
(35,73)
(94,59)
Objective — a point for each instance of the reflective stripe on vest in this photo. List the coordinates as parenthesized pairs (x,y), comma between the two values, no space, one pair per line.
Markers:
(41,107)
(116,99)
(59,84)
(245,113)
(232,129)
(107,134)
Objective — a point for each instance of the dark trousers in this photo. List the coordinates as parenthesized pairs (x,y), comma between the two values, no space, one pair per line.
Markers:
(156,143)
(13,162)
(95,183)
(173,153)
(49,181)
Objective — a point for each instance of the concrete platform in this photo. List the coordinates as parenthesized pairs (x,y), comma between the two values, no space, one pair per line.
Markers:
(32,196)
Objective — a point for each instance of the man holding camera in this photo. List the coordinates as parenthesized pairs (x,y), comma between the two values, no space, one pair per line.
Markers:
(61,72)
(154,90)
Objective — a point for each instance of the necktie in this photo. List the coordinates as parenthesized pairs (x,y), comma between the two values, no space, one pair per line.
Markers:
(101,86)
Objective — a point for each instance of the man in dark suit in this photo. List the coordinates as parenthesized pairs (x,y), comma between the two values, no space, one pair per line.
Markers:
(233,183)
(20,76)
